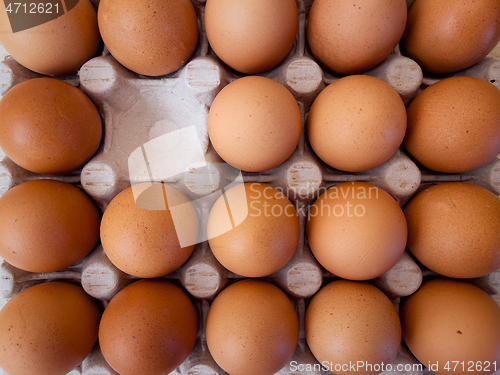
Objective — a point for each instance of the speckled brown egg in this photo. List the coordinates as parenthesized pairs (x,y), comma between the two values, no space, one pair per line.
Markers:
(350,322)
(251,36)
(257,233)
(149,230)
(47,225)
(252,328)
(150,38)
(47,329)
(447,35)
(454,229)
(254,123)
(60,45)
(353,36)
(452,327)
(48,126)
(356,230)
(454,125)
(149,327)
(356,123)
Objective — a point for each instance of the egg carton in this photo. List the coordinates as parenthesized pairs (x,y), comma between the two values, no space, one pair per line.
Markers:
(137,110)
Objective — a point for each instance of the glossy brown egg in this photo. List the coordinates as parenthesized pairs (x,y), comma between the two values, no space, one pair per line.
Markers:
(452,327)
(265,238)
(454,229)
(149,327)
(356,123)
(48,126)
(142,237)
(47,225)
(150,38)
(356,230)
(252,328)
(56,47)
(447,35)
(350,322)
(454,125)
(251,36)
(47,329)
(353,36)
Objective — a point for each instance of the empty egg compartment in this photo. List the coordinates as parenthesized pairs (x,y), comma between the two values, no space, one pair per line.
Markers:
(139,111)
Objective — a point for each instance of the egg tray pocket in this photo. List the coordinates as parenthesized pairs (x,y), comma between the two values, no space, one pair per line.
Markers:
(137,110)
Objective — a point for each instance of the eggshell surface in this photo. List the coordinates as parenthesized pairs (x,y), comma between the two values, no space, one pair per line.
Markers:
(251,36)
(254,123)
(150,38)
(352,322)
(267,237)
(47,225)
(454,125)
(48,126)
(252,328)
(447,36)
(140,234)
(356,123)
(452,326)
(149,327)
(454,229)
(57,47)
(352,36)
(356,230)
(47,329)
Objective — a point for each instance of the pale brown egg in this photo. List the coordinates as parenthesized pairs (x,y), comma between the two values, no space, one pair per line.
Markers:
(356,123)
(48,126)
(351,322)
(251,36)
(150,38)
(353,36)
(454,125)
(452,327)
(454,229)
(47,329)
(252,328)
(47,225)
(447,35)
(51,39)
(356,230)
(254,123)
(265,238)
(143,236)
(149,327)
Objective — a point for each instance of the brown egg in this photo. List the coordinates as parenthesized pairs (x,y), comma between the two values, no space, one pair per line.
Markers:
(47,225)
(150,38)
(149,327)
(452,327)
(140,234)
(251,36)
(454,125)
(446,36)
(356,230)
(254,123)
(454,229)
(353,36)
(48,126)
(47,329)
(266,237)
(356,123)
(54,43)
(352,323)
(252,328)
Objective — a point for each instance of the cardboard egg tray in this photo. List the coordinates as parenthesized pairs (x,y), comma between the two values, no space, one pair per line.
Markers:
(137,110)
